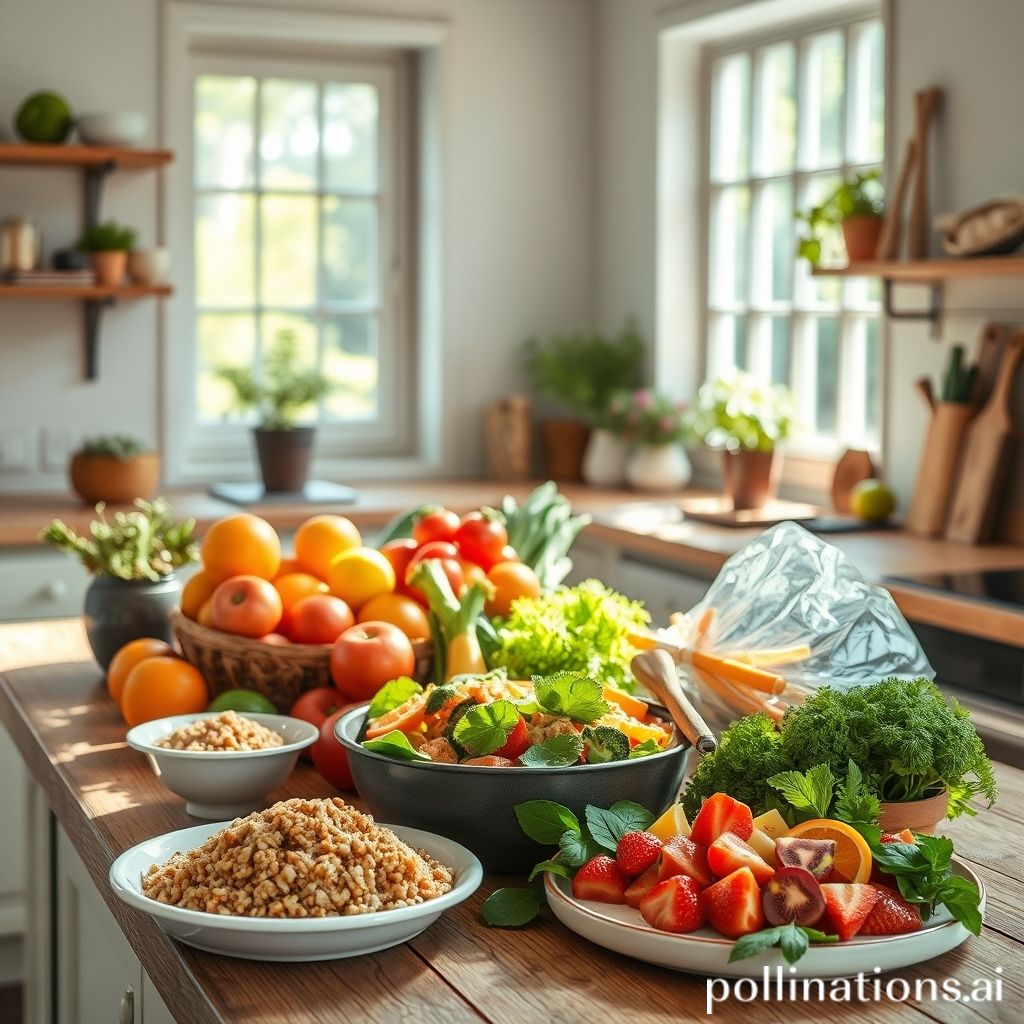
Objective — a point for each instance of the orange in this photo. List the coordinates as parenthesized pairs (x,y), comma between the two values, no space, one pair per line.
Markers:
(853,855)
(288,566)
(319,540)
(510,580)
(406,717)
(359,575)
(195,594)
(128,657)
(241,545)
(158,687)
(205,616)
(297,585)
(401,611)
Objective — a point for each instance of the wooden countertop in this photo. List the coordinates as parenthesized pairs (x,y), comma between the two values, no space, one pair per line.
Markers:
(107,799)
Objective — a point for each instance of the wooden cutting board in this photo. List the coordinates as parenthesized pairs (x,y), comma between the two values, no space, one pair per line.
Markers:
(987,452)
(854,465)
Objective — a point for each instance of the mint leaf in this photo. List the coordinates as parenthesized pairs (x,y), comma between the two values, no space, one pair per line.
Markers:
(577,848)
(557,752)
(810,791)
(645,748)
(395,744)
(608,826)
(854,800)
(392,695)
(571,695)
(936,850)
(509,908)
(554,867)
(793,942)
(754,944)
(544,821)
(486,727)
(791,938)
(962,899)
(526,706)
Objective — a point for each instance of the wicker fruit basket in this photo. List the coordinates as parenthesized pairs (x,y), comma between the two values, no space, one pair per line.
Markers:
(280,672)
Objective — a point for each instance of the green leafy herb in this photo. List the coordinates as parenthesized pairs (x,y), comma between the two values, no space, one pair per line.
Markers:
(576,848)
(510,907)
(810,791)
(556,752)
(486,727)
(554,867)
(791,938)
(645,748)
(544,821)
(854,801)
(608,826)
(392,695)
(395,744)
(572,695)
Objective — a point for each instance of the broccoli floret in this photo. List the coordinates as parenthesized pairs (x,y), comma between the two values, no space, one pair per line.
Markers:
(605,744)
(453,720)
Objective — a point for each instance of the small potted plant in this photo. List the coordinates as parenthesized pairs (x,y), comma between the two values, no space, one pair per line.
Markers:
(655,427)
(745,420)
(133,560)
(580,372)
(114,468)
(279,396)
(857,208)
(108,245)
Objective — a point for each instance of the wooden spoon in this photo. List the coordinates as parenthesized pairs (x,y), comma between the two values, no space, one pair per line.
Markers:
(657,671)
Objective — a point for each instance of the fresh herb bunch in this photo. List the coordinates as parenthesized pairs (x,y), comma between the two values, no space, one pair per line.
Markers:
(143,544)
(859,196)
(740,413)
(576,629)
(646,417)
(282,391)
(116,446)
(107,237)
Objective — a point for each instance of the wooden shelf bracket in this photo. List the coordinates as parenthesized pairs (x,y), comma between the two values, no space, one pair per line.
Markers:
(93,317)
(95,176)
(933,312)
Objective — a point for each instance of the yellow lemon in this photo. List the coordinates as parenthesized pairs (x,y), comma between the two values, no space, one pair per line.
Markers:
(359,575)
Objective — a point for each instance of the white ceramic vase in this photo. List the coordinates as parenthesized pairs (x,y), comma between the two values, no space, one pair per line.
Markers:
(149,266)
(662,468)
(604,462)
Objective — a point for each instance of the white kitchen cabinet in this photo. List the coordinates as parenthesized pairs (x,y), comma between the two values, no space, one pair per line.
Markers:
(592,559)
(39,583)
(13,854)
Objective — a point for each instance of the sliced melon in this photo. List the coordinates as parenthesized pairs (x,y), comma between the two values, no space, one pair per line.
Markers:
(771,823)
(764,845)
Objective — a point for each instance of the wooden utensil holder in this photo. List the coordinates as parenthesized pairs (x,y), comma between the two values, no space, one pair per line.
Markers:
(936,474)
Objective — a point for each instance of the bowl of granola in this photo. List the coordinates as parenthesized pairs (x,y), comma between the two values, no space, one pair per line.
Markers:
(223,764)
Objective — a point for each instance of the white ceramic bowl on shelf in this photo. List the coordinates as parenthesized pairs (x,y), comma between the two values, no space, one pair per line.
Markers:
(117,128)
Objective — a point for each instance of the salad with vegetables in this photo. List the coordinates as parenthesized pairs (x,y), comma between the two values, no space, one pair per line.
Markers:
(489,720)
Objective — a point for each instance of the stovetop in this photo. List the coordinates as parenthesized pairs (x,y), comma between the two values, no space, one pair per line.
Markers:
(1001,586)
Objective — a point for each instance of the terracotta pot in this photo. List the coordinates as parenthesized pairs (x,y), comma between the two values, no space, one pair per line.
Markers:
(109,267)
(751,478)
(917,815)
(116,481)
(284,457)
(564,442)
(860,235)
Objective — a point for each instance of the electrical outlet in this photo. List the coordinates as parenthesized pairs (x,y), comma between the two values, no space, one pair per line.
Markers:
(16,450)
(59,444)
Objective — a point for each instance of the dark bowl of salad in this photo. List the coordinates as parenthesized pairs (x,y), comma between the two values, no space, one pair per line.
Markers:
(457,759)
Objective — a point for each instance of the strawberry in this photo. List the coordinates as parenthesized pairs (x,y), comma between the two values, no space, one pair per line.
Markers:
(641,886)
(733,905)
(721,813)
(517,742)
(728,852)
(891,915)
(674,905)
(600,879)
(636,852)
(682,856)
(846,908)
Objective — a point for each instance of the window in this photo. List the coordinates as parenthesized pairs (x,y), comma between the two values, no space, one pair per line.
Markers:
(788,120)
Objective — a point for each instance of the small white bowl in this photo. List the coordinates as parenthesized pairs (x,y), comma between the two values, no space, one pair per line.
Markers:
(116,128)
(218,784)
(149,266)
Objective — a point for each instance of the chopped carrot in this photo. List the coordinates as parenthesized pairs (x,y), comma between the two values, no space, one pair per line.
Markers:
(633,706)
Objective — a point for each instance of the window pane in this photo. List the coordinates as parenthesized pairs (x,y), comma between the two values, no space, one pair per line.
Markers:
(224,247)
(866,136)
(273,325)
(223,131)
(780,350)
(727,345)
(826,407)
(289,137)
(872,389)
(776,109)
(824,88)
(775,243)
(350,362)
(730,118)
(730,247)
(350,136)
(350,249)
(225,339)
(288,240)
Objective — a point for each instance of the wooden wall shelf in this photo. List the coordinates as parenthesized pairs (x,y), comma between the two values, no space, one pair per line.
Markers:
(39,155)
(89,292)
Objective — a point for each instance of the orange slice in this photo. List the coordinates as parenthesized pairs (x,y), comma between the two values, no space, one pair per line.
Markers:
(853,855)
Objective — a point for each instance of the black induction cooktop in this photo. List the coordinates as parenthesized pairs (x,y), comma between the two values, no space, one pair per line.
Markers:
(1000,586)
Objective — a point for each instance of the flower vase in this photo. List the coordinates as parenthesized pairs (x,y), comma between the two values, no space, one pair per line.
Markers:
(604,463)
(660,468)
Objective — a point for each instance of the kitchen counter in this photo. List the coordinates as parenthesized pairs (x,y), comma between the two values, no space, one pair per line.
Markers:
(106,799)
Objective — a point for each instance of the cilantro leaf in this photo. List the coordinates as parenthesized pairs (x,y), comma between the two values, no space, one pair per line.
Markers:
(791,938)
(577,848)
(395,744)
(544,821)
(571,695)
(645,748)
(392,695)
(554,867)
(486,727)
(807,791)
(556,752)
(608,826)
(510,907)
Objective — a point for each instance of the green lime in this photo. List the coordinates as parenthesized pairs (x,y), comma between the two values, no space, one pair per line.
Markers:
(242,700)
(44,117)
(872,500)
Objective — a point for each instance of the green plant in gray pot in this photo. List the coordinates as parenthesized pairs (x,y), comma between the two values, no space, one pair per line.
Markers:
(133,559)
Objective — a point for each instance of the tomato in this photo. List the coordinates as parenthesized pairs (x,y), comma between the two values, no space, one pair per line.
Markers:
(162,686)
(471,572)
(297,585)
(359,575)
(319,540)
(241,545)
(452,569)
(330,757)
(128,657)
(435,549)
(399,553)
(405,718)
(318,619)
(510,580)
(245,605)
(196,592)
(279,639)
(509,554)
(481,538)
(440,524)
(369,655)
(317,704)
(401,611)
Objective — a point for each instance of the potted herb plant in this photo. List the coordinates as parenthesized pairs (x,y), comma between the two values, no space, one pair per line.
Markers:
(279,396)
(108,245)
(857,208)
(133,560)
(746,421)
(114,468)
(655,427)
(581,372)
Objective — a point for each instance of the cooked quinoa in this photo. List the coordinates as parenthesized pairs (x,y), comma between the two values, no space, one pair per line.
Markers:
(223,732)
(299,858)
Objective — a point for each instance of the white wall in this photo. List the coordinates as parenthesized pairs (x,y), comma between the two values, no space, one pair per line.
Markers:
(518,226)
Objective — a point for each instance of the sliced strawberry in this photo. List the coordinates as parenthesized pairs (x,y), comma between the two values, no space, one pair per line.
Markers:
(517,743)
(847,906)
(721,813)
(600,879)
(728,852)
(641,886)
(891,915)
(733,905)
(674,905)
(682,856)
(636,852)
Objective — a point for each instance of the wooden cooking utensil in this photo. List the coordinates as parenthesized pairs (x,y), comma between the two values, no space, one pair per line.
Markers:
(853,466)
(936,472)
(924,389)
(892,230)
(990,348)
(926,102)
(986,456)
(657,671)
